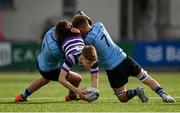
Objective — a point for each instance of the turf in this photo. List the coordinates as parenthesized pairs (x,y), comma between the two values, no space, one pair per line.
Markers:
(51,97)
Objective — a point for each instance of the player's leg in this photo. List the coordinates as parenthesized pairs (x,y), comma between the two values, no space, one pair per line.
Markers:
(154,85)
(75,79)
(137,71)
(126,95)
(118,77)
(146,79)
(35,85)
(130,68)
(121,94)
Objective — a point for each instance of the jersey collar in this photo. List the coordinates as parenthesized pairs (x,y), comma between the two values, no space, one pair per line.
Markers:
(85,34)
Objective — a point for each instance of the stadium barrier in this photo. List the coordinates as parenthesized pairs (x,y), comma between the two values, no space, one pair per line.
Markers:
(158,54)
(150,54)
(18,56)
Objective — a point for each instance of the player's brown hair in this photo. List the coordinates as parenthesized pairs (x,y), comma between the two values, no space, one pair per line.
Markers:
(79,21)
(89,52)
(81,13)
(63,29)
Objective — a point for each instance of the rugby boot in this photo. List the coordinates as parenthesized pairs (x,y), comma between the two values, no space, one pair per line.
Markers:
(20,98)
(141,95)
(168,99)
(69,98)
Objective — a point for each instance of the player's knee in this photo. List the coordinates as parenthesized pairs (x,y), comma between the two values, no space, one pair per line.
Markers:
(121,97)
(79,79)
(143,76)
(43,80)
(76,77)
(123,100)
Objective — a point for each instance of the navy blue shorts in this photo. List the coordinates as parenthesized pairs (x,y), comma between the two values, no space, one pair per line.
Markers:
(118,77)
(50,75)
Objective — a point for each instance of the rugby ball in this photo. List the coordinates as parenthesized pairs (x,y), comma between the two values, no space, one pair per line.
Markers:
(92,94)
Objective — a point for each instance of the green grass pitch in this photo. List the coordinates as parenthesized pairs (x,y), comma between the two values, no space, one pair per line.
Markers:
(51,97)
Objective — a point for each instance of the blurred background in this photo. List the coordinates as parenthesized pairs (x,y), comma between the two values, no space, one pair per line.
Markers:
(148,30)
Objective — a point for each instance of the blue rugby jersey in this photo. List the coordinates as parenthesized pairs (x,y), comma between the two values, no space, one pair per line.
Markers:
(50,57)
(72,48)
(109,54)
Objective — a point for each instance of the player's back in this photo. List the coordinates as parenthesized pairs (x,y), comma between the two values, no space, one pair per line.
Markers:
(109,54)
(72,47)
(50,57)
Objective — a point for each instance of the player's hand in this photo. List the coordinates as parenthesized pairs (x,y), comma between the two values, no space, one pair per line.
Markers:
(75,30)
(80,92)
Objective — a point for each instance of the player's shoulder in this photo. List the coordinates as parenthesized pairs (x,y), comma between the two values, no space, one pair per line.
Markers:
(99,24)
(50,31)
(96,28)
(55,50)
(51,42)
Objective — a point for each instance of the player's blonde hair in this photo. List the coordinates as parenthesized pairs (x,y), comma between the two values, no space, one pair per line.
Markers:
(89,52)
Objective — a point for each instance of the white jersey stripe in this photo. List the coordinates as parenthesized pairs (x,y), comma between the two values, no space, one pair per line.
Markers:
(77,39)
(72,58)
(77,48)
(77,53)
(95,69)
(79,43)
(66,66)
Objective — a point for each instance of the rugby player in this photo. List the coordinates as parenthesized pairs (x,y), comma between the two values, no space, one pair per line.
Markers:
(118,65)
(49,63)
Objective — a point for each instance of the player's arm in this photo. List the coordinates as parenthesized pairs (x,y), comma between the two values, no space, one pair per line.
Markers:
(94,75)
(64,82)
(94,80)
(89,60)
(69,62)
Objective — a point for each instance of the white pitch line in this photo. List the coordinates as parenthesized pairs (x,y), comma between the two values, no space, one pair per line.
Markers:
(90,112)
(55,98)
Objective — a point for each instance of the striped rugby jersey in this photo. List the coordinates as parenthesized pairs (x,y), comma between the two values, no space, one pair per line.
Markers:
(72,48)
